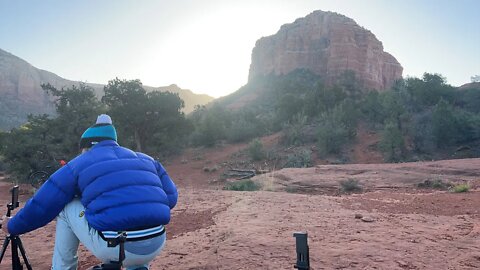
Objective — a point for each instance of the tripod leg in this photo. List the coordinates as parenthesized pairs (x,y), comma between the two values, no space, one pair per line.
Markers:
(24,255)
(16,265)
(121,255)
(4,248)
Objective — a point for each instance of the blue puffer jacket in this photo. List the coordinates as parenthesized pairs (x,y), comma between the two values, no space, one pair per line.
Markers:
(120,189)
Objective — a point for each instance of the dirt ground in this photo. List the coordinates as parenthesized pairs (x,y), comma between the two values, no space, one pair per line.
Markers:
(402,227)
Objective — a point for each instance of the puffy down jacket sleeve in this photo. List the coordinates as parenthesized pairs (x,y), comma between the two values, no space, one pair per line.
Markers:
(167,184)
(46,204)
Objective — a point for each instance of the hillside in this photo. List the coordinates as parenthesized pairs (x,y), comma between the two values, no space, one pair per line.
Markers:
(22,95)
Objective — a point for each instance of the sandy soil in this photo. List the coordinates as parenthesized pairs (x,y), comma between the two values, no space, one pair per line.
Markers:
(403,228)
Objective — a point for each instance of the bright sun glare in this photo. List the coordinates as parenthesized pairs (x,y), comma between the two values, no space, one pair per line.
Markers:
(210,55)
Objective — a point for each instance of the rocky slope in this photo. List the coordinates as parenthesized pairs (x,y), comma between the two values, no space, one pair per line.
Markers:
(328,44)
(21,93)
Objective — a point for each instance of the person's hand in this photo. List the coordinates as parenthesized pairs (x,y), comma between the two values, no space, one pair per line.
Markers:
(5,220)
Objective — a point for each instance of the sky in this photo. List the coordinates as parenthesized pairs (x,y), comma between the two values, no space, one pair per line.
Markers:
(206,45)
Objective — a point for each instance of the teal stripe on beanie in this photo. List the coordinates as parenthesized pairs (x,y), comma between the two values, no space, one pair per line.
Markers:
(104,131)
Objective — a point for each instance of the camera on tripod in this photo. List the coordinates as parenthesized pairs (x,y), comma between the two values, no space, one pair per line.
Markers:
(14,204)
(14,239)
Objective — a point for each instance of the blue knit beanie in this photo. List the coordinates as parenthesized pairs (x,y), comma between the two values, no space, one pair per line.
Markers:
(101,131)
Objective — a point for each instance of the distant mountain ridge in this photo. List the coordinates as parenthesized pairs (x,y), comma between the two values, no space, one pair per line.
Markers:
(472,85)
(21,94)
(185,94)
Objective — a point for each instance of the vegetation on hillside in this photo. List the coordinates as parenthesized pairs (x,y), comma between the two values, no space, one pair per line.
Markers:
(150,122)
(417,119)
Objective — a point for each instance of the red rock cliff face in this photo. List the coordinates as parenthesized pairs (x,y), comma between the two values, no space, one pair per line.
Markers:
(327,44)
(21,81)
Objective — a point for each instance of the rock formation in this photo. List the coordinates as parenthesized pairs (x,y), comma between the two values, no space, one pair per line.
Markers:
(20,90)
(20,80)
(21,93)
(327,44)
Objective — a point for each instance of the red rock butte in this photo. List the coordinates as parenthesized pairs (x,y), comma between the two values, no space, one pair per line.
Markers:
(327,44)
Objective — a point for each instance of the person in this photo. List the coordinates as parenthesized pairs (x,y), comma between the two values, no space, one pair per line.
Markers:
(104,190)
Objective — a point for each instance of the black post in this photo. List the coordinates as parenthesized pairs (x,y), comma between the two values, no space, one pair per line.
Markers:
(303,259)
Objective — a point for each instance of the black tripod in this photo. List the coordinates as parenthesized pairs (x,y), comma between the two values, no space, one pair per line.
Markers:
(15,239)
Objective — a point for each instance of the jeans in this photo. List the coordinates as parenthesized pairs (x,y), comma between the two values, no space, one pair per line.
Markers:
(72,228)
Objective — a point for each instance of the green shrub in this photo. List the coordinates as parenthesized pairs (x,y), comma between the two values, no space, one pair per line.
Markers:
(331,138)
(242,130)
(292,189)
(461,188)
(255,150)
(336,128)
(243,185)
(210,125)
(392,143)
(350,185)
(422,134)
(2,164)
(340,160)
(302,159)
(293,131)
(435,184)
